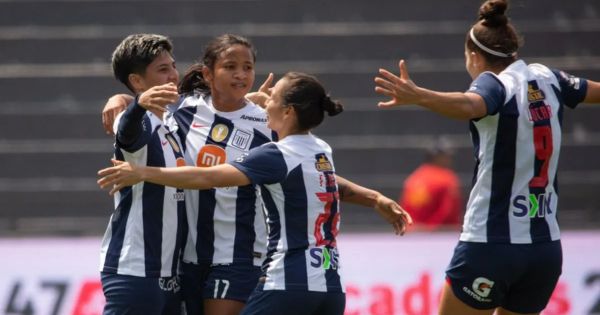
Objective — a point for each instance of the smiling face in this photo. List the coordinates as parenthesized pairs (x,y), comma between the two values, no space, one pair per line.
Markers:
(232,76)
(161,70)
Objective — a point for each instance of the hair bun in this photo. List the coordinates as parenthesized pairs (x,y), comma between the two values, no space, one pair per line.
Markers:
(332,107)
(492,13)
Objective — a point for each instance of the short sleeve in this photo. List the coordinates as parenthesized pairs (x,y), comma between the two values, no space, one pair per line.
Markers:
(572,89)
(491,90)
(263,165)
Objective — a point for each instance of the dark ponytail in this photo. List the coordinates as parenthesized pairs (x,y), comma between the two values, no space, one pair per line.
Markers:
(309,99)
(193,80)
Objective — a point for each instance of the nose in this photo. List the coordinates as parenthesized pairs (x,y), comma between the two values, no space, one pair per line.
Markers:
(174,76)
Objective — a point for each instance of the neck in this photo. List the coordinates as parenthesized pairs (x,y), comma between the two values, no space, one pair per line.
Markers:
(225,104)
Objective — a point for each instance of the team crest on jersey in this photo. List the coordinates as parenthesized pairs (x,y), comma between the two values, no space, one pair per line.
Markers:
(534,94)
(211,155)
(240,139)
(323,164)
(219,132)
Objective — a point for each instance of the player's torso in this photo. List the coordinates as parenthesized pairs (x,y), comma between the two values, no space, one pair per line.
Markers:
(148,226)
(304,220)
(222,217)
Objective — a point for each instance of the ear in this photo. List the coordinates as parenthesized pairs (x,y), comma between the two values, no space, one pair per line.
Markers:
(207,75)
(137,82)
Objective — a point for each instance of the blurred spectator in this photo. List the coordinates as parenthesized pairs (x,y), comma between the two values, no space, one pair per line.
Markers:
(431,194)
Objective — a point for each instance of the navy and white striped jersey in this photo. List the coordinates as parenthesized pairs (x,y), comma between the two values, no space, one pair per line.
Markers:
(226,224)
(148,227)
(514,197)
(300,194)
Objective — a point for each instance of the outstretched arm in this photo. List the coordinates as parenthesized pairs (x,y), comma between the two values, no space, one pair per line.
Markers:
(403,91)
(124,174)
(386,207)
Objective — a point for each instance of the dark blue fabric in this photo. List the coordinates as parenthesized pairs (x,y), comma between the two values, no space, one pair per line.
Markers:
(270,302)
(491,89)
(129,295)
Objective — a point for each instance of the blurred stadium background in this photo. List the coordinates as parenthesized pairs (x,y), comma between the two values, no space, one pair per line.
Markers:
(55,77)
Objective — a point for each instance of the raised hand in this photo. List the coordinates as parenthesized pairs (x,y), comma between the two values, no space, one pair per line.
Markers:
(264,92)
(116,104)
(158,97)
(401,89)
(120,175)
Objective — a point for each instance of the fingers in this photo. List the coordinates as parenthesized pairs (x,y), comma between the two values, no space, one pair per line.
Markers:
(107,120)
(403,70)
(266,86)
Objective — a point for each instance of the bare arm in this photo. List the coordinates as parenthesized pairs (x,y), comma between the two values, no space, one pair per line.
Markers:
(593,92)
(124,174)
(386,207)
(403,91)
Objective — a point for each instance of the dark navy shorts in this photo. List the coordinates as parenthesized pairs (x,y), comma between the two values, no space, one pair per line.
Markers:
(130,295)
(269,302)
(517,277)
(229,282)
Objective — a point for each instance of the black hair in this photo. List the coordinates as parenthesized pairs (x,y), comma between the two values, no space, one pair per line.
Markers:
(494,31)
(309,99)
(193,78)
(135,53)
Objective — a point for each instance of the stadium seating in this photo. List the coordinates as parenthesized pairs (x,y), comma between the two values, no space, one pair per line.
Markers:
(55,77)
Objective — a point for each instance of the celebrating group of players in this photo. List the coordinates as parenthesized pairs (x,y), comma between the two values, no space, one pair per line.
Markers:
(223,198)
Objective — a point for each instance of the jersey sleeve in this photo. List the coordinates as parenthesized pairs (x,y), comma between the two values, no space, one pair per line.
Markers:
(491,90)
(135,129)
(573,89)
(263,165)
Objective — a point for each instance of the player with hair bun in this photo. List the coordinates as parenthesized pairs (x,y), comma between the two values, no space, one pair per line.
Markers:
(296,176)
(509,256)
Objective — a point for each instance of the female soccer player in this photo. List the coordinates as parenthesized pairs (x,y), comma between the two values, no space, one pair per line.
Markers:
(509,255)
(297,180)
(143,242)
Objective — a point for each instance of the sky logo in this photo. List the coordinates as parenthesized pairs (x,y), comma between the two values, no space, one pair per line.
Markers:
(533,206)
(327,258)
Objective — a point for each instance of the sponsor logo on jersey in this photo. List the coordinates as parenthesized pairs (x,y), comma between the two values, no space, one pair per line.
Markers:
(252,118)
(323,164)
(241,139)
(532,205)
(534,94)
(211,155)
(324,257)
(480,289)
(219,132)
(574,82)
(169,284)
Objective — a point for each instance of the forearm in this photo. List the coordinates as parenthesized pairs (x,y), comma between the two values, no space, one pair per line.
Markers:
(455,105)
(190,177)
(593,92)
(356,194)
(187,177)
